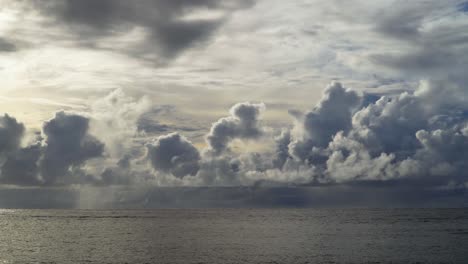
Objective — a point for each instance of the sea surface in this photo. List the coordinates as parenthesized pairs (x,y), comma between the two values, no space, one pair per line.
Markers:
(235,236)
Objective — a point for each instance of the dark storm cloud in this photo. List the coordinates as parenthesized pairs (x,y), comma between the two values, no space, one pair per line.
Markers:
(68,145)
(11,133)
(163,20)
(21,167)
(17,165)
(174,154)
(243,123)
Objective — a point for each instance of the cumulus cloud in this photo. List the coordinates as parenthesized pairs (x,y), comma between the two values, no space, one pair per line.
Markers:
(55,157)
(243,123)
(174,154)
(410,138)
(332,114)
(115,121)
(406,135)
(67,145)
(11,133)
(17,165)
(22,166)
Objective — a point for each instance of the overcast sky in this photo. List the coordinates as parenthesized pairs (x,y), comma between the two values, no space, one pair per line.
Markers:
(288,103)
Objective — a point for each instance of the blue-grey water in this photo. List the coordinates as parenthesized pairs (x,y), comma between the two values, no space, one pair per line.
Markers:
(235,236)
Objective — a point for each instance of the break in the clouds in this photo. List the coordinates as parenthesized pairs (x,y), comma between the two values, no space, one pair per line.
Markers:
(342,95)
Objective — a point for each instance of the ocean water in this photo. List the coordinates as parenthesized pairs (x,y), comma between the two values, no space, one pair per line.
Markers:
(235,236)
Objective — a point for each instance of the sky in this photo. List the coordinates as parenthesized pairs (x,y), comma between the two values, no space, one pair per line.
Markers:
(233,103)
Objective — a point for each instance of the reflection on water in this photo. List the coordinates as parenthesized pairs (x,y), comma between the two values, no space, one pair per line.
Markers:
(234,236)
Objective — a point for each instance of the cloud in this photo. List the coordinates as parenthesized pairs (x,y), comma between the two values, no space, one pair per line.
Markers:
(414,141)
(170,26)
(54,159)
(282,149)
(17,165)
(431,36)
(11,133)
(22,167)
(68,146)
(115,120)
(347,138)
(151,122)
(243,123)
(332,114)
(419,135)
(174,154)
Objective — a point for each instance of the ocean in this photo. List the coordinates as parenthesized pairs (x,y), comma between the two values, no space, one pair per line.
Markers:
(235,236)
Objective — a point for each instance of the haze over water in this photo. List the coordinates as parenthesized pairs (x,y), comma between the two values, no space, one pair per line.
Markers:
(234,236)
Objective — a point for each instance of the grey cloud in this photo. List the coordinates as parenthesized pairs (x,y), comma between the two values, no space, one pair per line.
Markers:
(17,165)
(243,123)
(332,114)
(124,162)
(421,60)
(389,125)
(418,135)
(21,167)
(11,133)
(429,49)
(163,20)
(68,145)
(401,139)
(116,176)
(401,22)
(282,149)
(220,171)
(174,154)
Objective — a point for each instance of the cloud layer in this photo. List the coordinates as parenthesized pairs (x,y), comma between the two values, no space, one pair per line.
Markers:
(227,93)
(346,138)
